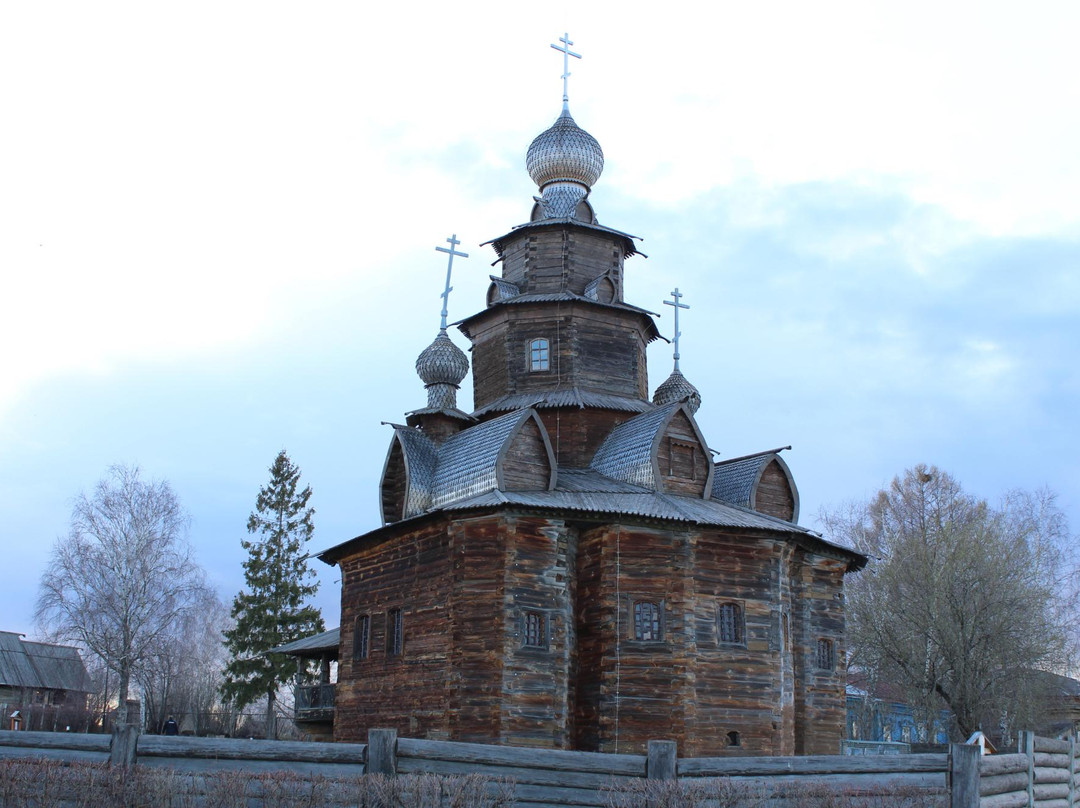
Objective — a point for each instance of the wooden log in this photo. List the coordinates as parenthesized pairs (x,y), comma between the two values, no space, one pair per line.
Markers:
(814,764)
(864,783)
(964,775)
(1058,747)
(244,749)
(557,759)
(530,776)
(1027,747)
(1052,760)
(53,753)
(1051,791)
(1003,783)
(553,795)
(1003,764)
(1012,799)
(56,740)
(196,766)
(1045,775)
(1052,803)
(662,760)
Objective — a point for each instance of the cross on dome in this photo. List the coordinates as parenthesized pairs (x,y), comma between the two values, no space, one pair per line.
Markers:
(451,252)
(677,295)
(567,53)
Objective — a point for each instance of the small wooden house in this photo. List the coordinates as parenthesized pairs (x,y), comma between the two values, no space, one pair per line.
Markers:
(39,678)
(566,565)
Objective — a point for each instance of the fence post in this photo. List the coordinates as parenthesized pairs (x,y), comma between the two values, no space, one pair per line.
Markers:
(661,760)
(964,763)
(1027,747)
(1072,770)
(381,751)
(122,747)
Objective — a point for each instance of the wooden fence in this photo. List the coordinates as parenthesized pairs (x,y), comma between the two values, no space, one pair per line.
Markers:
(1043,775)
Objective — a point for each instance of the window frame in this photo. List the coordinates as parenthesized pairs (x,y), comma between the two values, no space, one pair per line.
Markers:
(540,635)
(738,624)
(657,623)
(539,355)
(361,638)
(395,632)
(825,654)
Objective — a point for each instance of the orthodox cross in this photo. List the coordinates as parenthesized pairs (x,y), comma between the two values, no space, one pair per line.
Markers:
(676,294)
(566,54)
(453,242)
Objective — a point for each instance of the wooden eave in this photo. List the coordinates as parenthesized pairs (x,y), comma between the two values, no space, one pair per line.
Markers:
(652,333)
(625,240)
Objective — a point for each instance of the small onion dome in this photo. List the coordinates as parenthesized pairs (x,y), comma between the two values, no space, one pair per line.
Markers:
(565,153)
(675,389)
(442,362)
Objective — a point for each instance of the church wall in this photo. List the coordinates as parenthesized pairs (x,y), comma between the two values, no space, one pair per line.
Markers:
(410,572)
(537,689)
(526,466)
(576,433)
(817,588)
(554,259)
(684,462)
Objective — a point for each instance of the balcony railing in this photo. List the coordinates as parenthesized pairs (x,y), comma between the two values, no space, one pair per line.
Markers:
(315,703)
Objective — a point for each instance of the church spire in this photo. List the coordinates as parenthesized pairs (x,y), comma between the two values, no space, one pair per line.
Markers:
(677,387)
(564,161)
(442,365)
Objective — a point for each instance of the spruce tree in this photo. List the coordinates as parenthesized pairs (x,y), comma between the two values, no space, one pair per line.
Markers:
(271,610)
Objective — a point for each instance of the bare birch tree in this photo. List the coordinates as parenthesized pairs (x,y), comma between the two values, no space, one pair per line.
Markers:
(123,575)
(962,605)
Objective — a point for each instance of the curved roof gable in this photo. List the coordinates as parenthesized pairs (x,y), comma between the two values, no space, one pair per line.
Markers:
(631,452)
(409,468)
(762,482)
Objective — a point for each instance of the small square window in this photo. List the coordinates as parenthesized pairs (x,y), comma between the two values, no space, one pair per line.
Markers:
(395,632)
(539,355)
(647,621)
(535,630)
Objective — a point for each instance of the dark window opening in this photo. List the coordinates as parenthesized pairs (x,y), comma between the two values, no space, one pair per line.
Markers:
(730,628)
(535,630)
(539,355)
(733,739)
(395,632)
(826,655)
(361,637)
(647,621)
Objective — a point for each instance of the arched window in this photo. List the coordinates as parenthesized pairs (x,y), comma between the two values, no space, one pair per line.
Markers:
(826,655)
(647,621)
(729,618)
(539,355)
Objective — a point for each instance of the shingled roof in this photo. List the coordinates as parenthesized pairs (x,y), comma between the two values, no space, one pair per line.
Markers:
(41,666)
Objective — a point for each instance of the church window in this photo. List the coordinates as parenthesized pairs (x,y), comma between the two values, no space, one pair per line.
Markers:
(647,621)
(361,637)
(395,632)
(539,355)
(826,655)
(733,739)
(730,627)
(535,630)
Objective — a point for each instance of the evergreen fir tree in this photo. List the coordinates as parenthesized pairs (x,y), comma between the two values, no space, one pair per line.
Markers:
(271,610)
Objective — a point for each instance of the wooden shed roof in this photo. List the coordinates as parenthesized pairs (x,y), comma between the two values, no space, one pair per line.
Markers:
(38,665)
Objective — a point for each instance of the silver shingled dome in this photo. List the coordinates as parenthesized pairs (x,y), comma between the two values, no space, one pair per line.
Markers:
(442,362)
(677,388)
(565,153)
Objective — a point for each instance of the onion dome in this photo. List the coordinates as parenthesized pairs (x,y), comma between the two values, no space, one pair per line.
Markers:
(441,366)
(677,388)
(565,162)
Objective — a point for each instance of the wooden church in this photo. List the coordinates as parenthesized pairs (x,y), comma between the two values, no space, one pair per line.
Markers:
(566,565)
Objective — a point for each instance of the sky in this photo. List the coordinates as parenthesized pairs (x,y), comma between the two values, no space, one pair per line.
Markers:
(218,222)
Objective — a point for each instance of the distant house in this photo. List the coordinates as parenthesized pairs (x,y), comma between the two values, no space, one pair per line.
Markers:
(35,676)
(878,711)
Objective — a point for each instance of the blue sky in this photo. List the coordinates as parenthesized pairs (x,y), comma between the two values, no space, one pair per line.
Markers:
(219,223)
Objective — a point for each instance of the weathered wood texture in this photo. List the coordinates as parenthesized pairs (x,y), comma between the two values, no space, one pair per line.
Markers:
(964,775)
(592,347)
(684,459)
(577,433)
(526,466)
(562,259)
(773,494)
